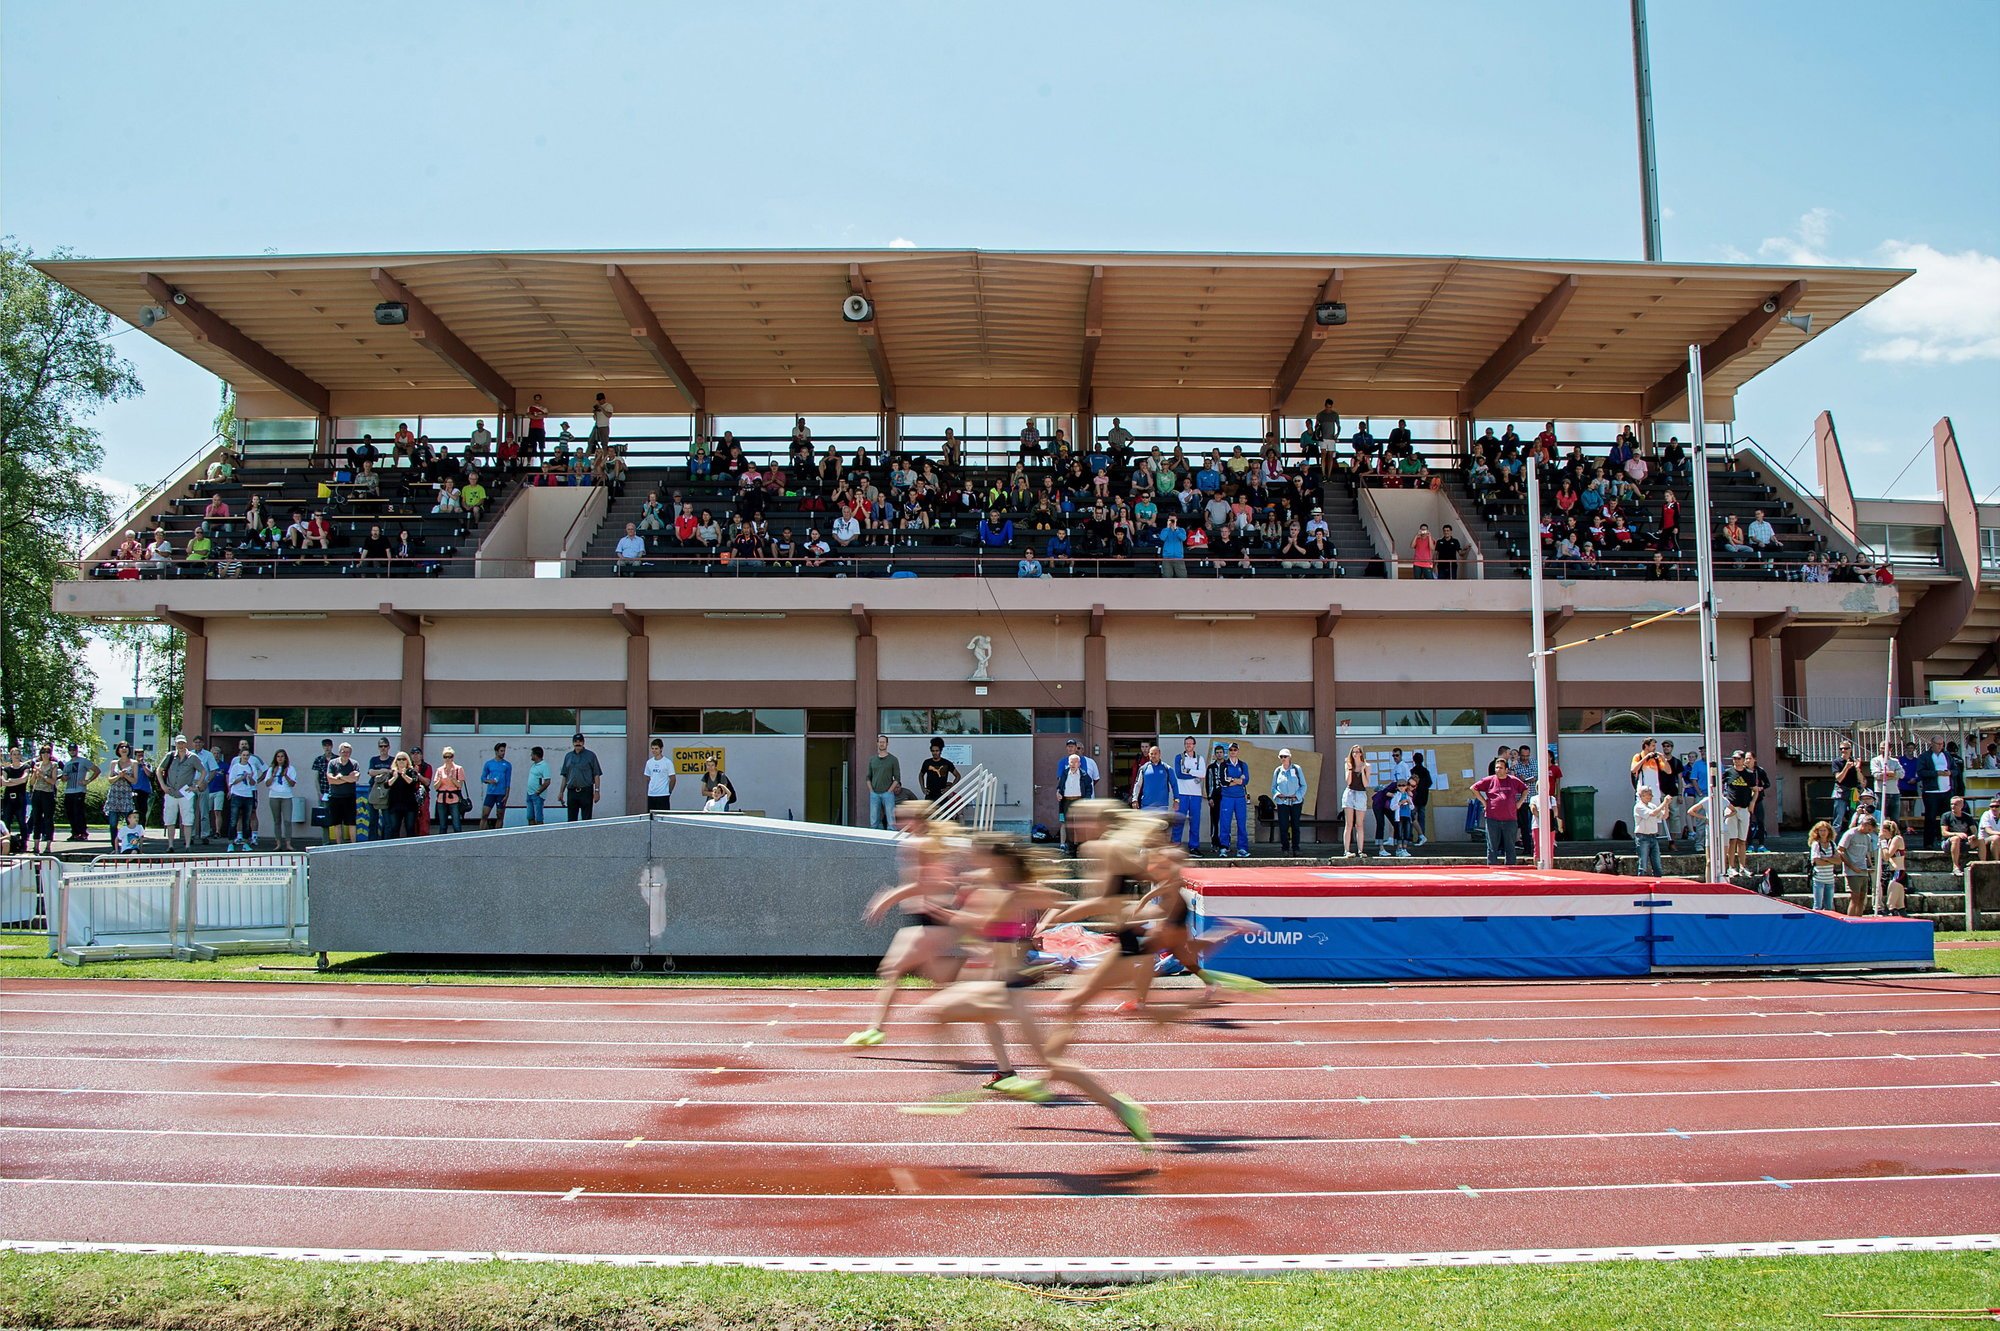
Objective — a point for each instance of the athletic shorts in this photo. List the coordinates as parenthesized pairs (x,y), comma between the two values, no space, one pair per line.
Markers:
(177,810)
(1356,800)
(1131,943)
(1736,825)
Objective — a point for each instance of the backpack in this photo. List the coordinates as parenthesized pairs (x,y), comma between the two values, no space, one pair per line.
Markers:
(1605,863)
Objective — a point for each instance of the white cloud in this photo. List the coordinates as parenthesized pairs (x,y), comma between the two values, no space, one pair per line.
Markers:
(119,494)
(1947,314)
(902,243)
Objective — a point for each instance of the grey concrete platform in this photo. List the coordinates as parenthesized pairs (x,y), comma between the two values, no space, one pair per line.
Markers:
(679,885)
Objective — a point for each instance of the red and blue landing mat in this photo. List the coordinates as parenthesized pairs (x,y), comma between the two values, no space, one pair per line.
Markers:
(1396,923)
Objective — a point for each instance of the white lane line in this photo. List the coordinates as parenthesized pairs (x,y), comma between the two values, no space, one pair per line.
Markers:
(1240,1016)
(879,1066)
(987,1198)
(1136,1042)
(1828,992)
(1095,1270)
(769,1144)
(651,1102)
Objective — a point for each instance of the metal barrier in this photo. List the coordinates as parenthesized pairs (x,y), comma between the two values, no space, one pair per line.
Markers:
(127,911)
(27,886)
(230,908)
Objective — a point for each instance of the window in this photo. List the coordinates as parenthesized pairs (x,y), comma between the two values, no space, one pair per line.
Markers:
(450,718)
(551,721)
(1989,547)
(1178,721)
(1464,721)
(1579,721)
(1286,721)
(906,721)
(1628,721)
(676,721)
(378,720)
(954,721)
(1006,721)
(1507,722)
(1131,721)
(780,721)
(829,720)
(1406,721)
(1734,719)
(727,721)
(503,720)
(1058,722)
(1235,721)
(1676,720)
(602,721)
(1358,723)
(291,720)
(232,720)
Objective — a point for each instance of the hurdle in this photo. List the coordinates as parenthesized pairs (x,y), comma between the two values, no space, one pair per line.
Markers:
(116,913)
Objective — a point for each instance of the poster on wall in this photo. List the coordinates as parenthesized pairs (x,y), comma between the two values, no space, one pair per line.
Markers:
(1263,761)
(1451,764)
(689,762)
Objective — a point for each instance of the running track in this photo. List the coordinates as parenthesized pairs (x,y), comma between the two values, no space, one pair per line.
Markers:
(1411,1119)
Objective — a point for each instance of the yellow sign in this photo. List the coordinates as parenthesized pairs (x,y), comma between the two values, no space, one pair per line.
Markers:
(270,726)
(689,762)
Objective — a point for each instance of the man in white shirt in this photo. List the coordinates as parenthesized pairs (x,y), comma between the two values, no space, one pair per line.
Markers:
(481,442)
(246,777)
(1989,831)
(659,779)
(845,529)
(631,549)
(1760,532)
(600,422)
(1887,773)
(1190,788)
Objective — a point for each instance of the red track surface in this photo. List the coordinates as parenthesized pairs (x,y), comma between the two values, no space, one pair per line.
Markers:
(1414,1118)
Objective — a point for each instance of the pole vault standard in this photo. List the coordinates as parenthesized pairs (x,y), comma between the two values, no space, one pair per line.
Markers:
(1541,825)
(1704,566)
(1888,748)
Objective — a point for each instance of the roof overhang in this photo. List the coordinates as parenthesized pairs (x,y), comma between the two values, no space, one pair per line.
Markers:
(760,331)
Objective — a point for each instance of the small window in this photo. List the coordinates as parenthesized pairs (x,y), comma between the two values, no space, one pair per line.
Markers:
(1234,721)
(551,720)
(232,720)
(781,720)
(1508,722)
(727,721)
(602,721)
(676,721)
(1134,721)
(329,720)
(1179,721)
(1676,721)
(378,720)
(1407,721)
(1628,721)
(1734,719)
(1006,721)
(503,720)
(955,720)
(906,721)
(291,719)
(829,720)
(1579,721)
(1464,721)
(1358,723)
(1293,721)
(450,718)
(1058,722)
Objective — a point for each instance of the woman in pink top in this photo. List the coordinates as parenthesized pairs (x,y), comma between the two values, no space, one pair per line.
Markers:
(1423,552)
(1499,794)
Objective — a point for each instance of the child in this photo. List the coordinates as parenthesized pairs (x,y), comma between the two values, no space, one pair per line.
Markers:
(1895,865)
(1823,864)
(1403,808)
(131,836)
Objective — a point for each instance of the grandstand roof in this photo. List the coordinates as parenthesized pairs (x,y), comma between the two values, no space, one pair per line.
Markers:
(755,331)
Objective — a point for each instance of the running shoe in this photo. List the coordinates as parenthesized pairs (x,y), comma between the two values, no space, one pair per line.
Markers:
(1423,840)
(867,1039)
(1231,980)
(1133,1115)
(1022,1088)
(1402,852)
(1242,854)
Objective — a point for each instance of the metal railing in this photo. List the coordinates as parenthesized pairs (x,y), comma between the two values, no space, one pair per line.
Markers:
(188,907)
(1837,712)
(28,884)
(157,493)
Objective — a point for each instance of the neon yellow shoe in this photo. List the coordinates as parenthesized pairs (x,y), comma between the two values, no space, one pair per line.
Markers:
(1133,1115)
(1023,1088)
(867,1039)
(1230,980)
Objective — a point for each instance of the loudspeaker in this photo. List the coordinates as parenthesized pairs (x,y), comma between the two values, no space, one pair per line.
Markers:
(392,312)
(1330,313)
(856,309)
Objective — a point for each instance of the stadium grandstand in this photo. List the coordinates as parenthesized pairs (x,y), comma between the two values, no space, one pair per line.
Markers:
(763,506)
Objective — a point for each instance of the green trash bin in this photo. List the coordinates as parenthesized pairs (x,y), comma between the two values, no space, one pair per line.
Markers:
(1579,810)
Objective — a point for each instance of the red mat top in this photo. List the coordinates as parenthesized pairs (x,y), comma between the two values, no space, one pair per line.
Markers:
(1368,880)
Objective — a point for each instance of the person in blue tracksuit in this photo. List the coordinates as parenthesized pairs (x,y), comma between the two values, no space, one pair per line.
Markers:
(1190,785)
(1153,786)
(1234,798)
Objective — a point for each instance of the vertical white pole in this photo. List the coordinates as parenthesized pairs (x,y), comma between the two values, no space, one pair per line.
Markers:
(1539,658)
(1704,560)
(1888,739)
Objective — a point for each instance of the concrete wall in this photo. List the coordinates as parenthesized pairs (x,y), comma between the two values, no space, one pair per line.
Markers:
(717,650)
(1011,758)
(1403,511)
(768,771)
(508,649)
(293,649)
(1261,651)
(474,750)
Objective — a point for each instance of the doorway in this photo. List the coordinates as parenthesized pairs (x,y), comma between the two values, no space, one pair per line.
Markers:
(828,768)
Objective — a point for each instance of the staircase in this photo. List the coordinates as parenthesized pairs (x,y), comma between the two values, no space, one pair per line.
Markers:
(1350,539)
(1475,530)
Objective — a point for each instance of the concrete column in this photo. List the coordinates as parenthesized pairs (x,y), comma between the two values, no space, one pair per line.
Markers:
(413,690)
(638,715)
(1096,692)
(1764,672)
(867,709)
(1326,726)
(194,687)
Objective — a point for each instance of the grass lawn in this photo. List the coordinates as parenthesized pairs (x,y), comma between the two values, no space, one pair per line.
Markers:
(176,1293)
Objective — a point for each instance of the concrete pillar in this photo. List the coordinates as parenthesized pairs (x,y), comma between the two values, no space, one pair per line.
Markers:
(867,708)
(1326,726)
(413,691)
(1096,693)
(194,686)
(1764,672)
(638,715)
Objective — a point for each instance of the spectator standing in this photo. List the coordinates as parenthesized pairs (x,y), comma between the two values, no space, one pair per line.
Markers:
(1499,794)
(343,774)
(45,782)
(1423,553)
(600,422)
(1449,551)
(283,787)
(539,780)
(658,770)
(1760,803)
(718,792)
(1420,790)
(885,781)
(424,773)
(1823,864)
(496,778)
(1850,778)
(1939,784)
(1173,548)
(1857,861)
(378,803)
(937,774)
(1190,788)
(1153,785)
(118,788)
(1649,816)
(181,777)
(1288,797)
(1212,795)
(1354,803)
(402,793)
(1739,792)
(1234,800)
(1076,779)
(449,782)
(14,794)
(77,774)
(1887,773)
(582,776)
(247,777)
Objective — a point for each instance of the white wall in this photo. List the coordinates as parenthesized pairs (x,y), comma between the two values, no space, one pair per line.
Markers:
(1260,651)
(1011,758)
(768,771)
(705,649)
(499,649)
(1403,511)
(296,649)
(1025,647)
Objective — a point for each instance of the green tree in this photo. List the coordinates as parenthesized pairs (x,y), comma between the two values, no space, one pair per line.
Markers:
(56,368)
(162,652)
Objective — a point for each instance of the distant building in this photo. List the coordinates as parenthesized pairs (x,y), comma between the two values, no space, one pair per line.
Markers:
(134,723)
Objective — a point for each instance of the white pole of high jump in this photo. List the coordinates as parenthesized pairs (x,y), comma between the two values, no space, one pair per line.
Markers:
(1538,655)
(1704,564)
